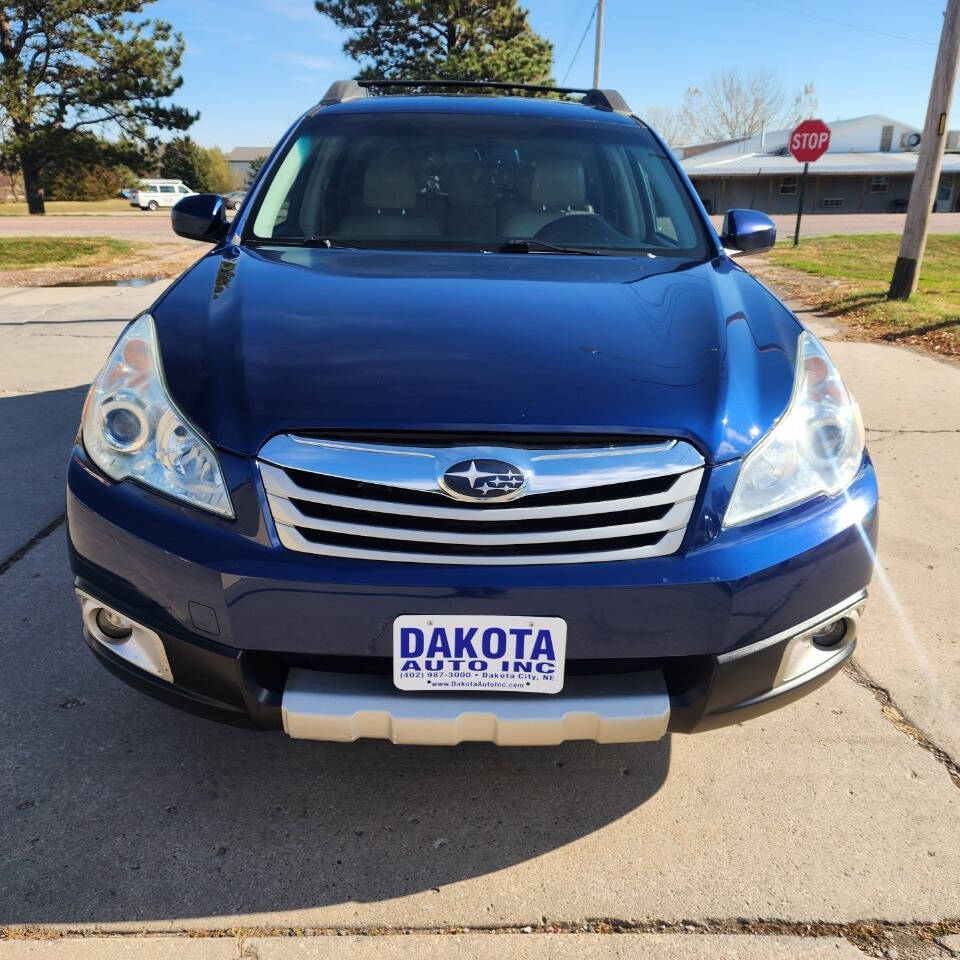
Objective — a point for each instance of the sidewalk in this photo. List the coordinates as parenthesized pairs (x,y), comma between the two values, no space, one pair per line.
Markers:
(477,946)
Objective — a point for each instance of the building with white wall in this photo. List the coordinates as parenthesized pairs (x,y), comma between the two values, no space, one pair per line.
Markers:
(240,160)
(868,169)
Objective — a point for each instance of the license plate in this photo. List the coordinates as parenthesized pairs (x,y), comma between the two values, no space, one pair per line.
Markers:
(506,654)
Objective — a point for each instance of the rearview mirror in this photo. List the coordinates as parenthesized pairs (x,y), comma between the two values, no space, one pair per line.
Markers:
(748,231)
(200,217)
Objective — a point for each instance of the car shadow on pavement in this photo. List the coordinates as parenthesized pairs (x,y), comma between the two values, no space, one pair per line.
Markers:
(36,434)
(114,807)
(118,808)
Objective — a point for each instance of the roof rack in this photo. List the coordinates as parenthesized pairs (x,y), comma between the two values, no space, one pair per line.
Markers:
(344,90)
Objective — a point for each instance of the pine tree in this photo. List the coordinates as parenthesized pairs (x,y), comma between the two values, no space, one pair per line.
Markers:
(442,39)
(69,66)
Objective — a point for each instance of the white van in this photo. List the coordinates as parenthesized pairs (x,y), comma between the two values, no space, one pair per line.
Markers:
(159,193)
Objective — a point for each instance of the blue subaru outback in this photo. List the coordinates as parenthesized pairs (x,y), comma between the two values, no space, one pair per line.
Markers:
(468,427)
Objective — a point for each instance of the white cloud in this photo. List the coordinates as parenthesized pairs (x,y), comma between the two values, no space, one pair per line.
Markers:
(308,62)
(303,11)
(292,9)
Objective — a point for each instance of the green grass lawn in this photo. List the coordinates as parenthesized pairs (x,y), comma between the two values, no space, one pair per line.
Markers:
(863,265)
(17,253)
(69,207)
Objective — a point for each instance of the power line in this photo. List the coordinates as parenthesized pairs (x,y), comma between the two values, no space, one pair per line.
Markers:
(839,23)
(576,52)
(576,11)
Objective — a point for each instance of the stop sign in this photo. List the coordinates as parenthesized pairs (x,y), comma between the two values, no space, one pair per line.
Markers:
(809,140)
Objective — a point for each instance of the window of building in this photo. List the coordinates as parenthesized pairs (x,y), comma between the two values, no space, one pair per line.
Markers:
(879,185)
(788,186)
(832,202)
(886,138)
(945,187)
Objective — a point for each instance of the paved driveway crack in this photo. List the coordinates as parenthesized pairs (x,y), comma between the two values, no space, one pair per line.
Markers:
(896,716)
(889,433)
(21,552)
(874,937)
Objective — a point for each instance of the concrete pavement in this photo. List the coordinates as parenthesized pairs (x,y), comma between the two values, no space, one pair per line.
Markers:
(69,304)
(517,946)
(120,814)
(52,343)
(911,406)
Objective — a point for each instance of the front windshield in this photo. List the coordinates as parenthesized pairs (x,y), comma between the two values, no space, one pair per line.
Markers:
(478,182)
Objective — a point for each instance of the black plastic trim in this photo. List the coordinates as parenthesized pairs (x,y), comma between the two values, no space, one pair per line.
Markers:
(743,689)
(176,696)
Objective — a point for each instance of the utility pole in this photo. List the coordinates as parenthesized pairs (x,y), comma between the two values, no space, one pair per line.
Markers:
(906,273)
(598,47)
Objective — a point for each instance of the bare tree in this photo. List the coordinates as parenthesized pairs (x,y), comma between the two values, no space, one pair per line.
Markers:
(671,124)
(731,105)
(802,107)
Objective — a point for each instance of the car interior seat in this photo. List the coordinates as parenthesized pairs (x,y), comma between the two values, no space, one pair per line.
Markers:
(558,188)
(389,199)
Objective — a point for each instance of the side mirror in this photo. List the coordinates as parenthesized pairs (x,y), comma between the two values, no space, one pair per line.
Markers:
(748,231)
(200,216)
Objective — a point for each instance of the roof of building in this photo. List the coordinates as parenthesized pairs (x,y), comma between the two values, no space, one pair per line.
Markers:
(767,154)
(751,165)
(246,154)
(771,139)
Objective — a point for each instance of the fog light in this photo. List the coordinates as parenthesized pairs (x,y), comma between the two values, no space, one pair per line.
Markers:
(830,635)
(112,625)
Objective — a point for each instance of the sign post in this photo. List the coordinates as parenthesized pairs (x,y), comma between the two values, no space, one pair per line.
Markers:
(808,142)
(803,189)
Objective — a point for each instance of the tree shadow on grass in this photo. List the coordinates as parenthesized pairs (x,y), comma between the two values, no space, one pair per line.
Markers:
(853,303)
(895,335)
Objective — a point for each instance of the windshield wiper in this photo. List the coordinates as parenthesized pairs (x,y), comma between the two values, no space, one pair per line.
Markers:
(323,242)
(541,246)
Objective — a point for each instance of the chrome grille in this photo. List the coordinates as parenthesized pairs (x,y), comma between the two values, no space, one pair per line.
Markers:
(383,502)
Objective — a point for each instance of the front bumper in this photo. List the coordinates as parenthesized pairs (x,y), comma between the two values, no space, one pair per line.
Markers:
(614,708)
(608,708)
(257,635)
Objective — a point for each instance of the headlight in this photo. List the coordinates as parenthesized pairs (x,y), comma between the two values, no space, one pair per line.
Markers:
(132,428)
(815,448)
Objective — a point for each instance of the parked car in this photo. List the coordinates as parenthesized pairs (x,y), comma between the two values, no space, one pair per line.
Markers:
(468,427)
(233,199)
(154,194)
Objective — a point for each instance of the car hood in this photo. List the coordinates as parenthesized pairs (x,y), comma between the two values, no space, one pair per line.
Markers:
(260,341)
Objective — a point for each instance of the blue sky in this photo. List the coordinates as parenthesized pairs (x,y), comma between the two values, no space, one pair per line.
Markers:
(252,65)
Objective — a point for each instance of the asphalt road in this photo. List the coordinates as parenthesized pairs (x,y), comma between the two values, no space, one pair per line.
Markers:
(822,224)
(119,814)
(143,225)
(135,225)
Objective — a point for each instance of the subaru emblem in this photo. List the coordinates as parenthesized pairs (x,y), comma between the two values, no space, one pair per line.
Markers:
(483,479)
